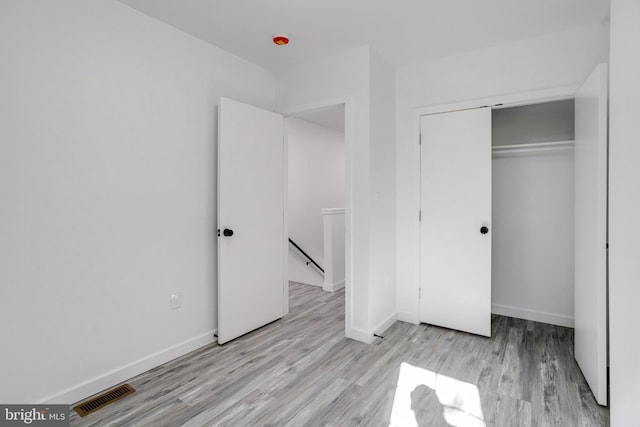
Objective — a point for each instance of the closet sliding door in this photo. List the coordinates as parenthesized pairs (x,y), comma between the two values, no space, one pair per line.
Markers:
(591,231)
(455,229)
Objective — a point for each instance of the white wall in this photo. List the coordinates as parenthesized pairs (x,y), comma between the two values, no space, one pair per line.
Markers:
(316,178)
(532,242)
(542,63)
(382,310)
(624,211)
(107,182)
(349,78)
(543,122)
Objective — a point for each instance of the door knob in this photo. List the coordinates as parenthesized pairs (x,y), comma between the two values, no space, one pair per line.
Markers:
(484,229)
(227,232)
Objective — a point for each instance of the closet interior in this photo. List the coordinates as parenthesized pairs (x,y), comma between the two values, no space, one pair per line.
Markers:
(533,212)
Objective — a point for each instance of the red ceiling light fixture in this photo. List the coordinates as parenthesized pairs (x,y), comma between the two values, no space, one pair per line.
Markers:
(280,39)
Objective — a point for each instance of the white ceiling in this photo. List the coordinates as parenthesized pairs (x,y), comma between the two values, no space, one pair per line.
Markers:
(332,117)
(402,31)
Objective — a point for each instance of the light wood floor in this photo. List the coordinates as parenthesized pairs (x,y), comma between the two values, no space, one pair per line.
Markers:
(301,371)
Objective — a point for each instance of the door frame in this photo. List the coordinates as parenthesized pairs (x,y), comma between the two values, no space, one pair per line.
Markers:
(495,102)
(295,111)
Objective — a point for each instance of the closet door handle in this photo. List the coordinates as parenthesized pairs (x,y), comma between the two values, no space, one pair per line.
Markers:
(484,230)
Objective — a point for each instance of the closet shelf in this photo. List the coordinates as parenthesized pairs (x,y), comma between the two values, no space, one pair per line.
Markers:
(532,147)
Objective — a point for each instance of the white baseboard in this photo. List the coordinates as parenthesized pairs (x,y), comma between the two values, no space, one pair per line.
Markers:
(537,316)
(306,282)
(119,375)
(385,324)
(359,335)
(319,285)
(405,316)
(332,287)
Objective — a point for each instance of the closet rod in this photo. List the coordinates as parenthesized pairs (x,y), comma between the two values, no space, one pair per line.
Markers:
(533,146)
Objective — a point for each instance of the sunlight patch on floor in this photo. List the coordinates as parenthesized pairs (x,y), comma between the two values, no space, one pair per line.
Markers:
(460,400)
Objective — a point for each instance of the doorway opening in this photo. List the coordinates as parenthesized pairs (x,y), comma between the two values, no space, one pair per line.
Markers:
(316,202)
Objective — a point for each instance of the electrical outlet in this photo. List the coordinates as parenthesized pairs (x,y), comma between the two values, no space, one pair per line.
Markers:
(175,300)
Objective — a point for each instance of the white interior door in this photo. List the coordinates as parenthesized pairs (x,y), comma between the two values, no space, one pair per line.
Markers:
(455,235)
(591,231)
(251,244)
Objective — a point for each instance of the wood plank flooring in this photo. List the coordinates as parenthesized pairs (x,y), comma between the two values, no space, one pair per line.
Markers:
(301,371)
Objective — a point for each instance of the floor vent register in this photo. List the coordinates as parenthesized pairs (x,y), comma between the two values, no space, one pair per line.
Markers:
(99,402)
